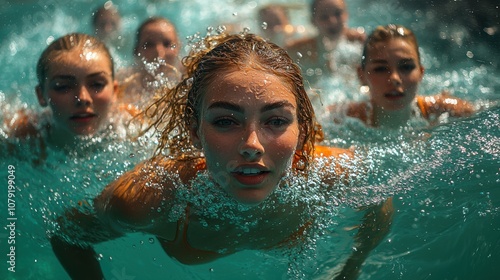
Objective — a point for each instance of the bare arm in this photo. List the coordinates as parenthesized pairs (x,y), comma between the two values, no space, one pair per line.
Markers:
(376,221)
(375,226)
(128,204)
(79,259)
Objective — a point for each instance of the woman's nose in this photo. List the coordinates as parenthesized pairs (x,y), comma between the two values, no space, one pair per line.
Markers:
(83,97)
(251,148)
(160,51)
(395,78)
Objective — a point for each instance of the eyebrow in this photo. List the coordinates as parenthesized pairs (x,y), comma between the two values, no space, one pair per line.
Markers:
(277,105)
(238,108)
(226,105)
(71,77)
(378,61)
(383,61)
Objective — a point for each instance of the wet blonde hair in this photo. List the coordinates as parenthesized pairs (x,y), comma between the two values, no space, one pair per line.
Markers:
(65,44)
(178,109)
(385,34)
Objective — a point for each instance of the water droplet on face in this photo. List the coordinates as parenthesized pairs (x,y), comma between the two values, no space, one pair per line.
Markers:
(264,25)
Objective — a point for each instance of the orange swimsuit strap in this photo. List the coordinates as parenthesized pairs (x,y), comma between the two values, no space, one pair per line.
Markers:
(422,106)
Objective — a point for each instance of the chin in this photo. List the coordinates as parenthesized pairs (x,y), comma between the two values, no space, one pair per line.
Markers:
(250,199)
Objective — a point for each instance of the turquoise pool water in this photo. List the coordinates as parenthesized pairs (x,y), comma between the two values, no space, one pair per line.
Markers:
(446,188)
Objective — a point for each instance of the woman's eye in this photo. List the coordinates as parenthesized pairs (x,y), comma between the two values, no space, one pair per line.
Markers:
(223,122)
(407,67)
(380,69)
(62,87)
(98,86)
(167,44)
(278,122)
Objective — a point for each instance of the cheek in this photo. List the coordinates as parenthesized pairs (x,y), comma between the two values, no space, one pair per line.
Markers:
(375,82)
(214,145)
(412,82)
(285,146)
(60,103)
(104,101)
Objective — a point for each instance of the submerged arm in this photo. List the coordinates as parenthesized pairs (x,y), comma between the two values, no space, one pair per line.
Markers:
(376,221)
(71,244)
(375,226)
(128,204)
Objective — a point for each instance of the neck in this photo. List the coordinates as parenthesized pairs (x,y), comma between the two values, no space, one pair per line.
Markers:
(61,138)
(326,44)
(391,119)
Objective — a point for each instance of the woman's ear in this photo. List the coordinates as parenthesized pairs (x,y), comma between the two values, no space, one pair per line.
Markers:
(41,99)
(422,72)
(194,134)
(361,76)
(115,90)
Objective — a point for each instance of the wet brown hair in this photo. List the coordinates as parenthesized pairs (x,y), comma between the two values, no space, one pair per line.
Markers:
(68,43)
(385,34)
(178,109)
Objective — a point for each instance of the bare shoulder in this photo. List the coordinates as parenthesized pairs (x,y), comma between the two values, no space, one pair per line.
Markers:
(354,35)
(301,45)
(445,103)
(138,197)
(358,110)
(21,125)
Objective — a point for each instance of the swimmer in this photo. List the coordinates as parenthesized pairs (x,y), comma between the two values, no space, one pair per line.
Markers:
(239,130)
(76,88)
(106,21)
(276,24)
(330,19)
(392,71)
(157,61)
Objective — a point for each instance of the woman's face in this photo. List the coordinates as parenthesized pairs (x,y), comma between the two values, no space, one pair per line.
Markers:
(158,40)
(80,90)
(248,130)
(393,73)
(330,18)
(107,23)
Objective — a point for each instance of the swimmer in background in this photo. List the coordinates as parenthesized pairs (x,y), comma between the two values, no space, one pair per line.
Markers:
(76,86)
(392,71)
(106,21)
(316,54)
(239,130)
(157,62)
(275,23)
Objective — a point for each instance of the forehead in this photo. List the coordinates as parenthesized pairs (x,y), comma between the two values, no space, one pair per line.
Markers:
(107,15)
(321,5)
(398,47)
(248,85)
(157,29)
(86,59)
